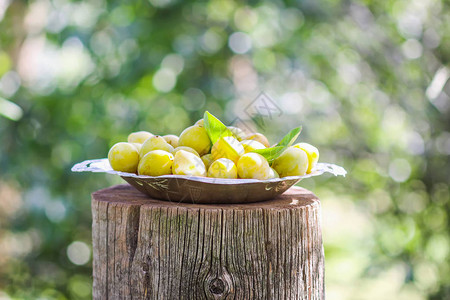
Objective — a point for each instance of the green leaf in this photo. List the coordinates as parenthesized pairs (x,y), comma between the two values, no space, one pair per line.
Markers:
(272,153)
(215,128)
(290,138)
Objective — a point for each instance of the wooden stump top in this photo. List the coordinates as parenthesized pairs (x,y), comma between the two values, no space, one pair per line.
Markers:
(294,197)
(152,249)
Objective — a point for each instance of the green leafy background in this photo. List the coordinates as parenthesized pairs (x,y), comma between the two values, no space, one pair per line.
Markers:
(366,79)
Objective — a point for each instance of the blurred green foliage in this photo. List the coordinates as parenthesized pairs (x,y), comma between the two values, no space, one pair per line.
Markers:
(366,79)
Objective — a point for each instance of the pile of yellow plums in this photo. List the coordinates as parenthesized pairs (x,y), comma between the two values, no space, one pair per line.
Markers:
(193,154)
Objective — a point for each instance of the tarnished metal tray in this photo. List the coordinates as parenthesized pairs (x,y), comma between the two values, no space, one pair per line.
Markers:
(180,188)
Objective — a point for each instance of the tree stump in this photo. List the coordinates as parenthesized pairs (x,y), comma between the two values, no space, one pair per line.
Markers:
(150,249)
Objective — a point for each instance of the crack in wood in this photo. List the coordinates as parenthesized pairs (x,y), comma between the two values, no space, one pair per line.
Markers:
(133,219)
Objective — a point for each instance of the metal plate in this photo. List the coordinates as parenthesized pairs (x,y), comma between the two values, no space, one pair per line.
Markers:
(179,188)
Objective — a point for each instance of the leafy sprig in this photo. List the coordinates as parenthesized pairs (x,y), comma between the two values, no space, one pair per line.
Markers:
(215,128)
(271,153)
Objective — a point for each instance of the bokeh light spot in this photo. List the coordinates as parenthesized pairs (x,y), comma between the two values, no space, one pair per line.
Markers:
(10,110)
(212,41)
(160,3)
(194,99)
(399,170)
(245,19)
(412,49)
(55,211)
(240,42)
(79,253)
(164,80)
(292,18)
(173,62)
(10,83)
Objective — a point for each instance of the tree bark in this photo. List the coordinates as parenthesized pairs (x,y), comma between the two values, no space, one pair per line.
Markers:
(150,249)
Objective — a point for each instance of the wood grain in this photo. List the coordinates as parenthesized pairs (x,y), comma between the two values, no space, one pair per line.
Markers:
(150,249)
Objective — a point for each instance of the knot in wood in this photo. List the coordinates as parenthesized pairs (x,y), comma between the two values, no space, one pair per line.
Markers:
(145,267)
(217,286)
